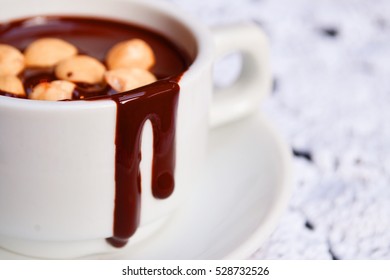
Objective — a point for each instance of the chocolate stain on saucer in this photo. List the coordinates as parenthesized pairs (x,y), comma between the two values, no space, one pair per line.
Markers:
(156,102)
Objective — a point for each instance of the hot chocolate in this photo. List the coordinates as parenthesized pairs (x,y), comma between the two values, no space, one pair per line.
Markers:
(93,37)
(157,102)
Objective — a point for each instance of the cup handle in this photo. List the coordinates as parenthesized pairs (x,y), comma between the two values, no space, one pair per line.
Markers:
(243,97)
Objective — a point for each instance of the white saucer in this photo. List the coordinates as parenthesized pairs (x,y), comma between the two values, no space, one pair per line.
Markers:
(237,203)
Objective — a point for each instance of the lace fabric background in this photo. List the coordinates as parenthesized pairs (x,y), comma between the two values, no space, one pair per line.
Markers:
(331,101)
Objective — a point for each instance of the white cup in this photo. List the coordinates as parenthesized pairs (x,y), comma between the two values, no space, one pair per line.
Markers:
(57,186)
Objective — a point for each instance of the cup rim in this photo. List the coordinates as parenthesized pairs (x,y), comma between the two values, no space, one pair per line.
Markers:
(201,34)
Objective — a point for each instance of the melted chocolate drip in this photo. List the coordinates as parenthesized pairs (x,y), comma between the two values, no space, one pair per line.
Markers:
(156,102)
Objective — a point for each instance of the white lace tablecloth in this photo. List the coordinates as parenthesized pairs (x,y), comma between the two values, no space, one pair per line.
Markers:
(331,101)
